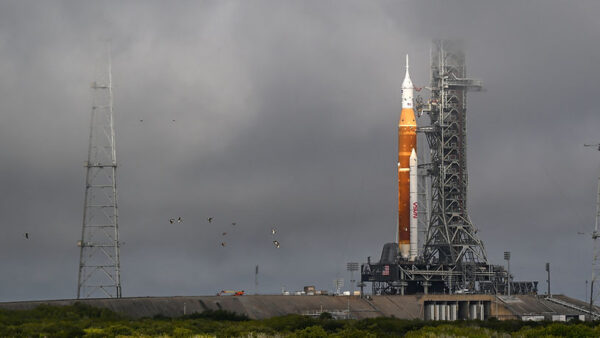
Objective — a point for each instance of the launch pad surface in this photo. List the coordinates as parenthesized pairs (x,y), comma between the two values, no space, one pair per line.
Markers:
(428,307)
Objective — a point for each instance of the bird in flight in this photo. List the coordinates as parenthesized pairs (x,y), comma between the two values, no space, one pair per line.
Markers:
(276,243)
(26,235)
(141,120)
(234,223)
(224,233)
(179,220)
(171,220)
(210,219)
(223,244)
(273,231)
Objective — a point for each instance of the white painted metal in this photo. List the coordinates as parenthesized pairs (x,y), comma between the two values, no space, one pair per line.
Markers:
(453,311)
(431,311)
(407,89)
(414,205)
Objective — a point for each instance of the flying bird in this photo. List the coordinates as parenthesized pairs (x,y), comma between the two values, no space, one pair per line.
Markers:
(223,244)
(234,223)
(210,219)
(171,220)
(224,233)
(141,120)
(179,220)
(273,231)
(27,235)
(276,243)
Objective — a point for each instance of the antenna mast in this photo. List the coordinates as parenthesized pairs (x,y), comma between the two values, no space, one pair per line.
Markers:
(99,267)
(595,236)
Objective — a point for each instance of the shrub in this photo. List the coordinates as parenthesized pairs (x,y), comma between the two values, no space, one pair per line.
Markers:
(118,329)
(217,315)
(314,331)
(333,325)
(94,332)
(447,330)
(353,333)
(290,323)
(182,332)
(559,330)
(325,315)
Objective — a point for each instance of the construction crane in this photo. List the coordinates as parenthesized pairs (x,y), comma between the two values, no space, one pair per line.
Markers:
(595,236)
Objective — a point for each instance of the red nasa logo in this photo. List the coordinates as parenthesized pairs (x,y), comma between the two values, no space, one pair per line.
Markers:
(415,209)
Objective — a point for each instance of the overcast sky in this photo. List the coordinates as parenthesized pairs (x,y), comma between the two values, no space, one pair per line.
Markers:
(286,114)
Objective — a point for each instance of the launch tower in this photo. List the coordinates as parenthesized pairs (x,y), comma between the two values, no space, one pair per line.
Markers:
(453,258)
(99,267)
(451,238)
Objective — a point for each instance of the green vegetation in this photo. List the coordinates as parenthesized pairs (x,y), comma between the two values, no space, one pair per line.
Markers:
(84,321)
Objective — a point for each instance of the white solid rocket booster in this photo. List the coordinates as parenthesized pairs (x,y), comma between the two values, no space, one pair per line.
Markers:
(414,207)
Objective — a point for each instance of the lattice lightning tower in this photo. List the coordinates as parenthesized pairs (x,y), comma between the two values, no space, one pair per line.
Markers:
(595,237)
(99,268)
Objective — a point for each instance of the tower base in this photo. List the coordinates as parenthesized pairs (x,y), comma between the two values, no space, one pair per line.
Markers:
(393,275)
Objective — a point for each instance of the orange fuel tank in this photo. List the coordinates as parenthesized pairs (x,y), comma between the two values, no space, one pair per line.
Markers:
(407,141)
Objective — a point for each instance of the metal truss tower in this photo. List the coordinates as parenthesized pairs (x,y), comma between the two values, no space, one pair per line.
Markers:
(99,267)
(451,238)
(594,287)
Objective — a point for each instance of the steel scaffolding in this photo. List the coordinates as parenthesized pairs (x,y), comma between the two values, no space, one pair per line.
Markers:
(451,238)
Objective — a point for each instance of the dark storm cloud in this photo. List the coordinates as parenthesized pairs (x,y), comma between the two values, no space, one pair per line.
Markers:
(285,114)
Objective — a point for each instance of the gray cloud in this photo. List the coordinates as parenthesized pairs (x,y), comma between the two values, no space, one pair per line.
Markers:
(286,114)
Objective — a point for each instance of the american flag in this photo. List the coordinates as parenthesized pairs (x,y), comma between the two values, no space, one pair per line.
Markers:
(386,270)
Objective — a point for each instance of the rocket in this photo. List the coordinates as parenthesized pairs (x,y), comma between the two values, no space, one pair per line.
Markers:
(407,173)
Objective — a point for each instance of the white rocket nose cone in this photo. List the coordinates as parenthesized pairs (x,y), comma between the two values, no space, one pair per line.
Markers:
(413,156)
